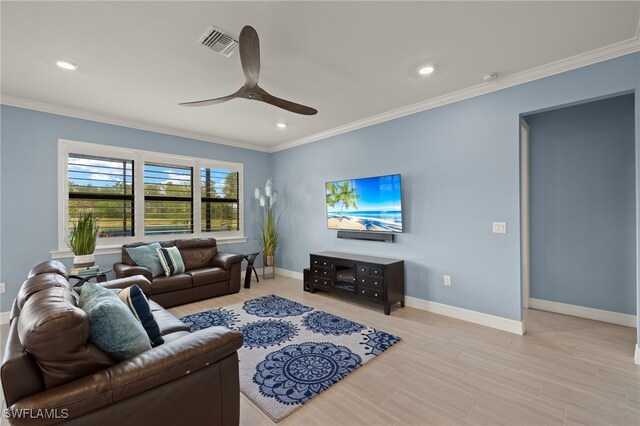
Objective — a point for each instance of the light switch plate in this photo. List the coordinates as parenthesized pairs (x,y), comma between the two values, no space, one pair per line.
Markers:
(2,288)
(499,227)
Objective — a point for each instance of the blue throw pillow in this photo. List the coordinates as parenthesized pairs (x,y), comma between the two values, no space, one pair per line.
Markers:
(135,299)
(112,326)
(171,260)
(147,257)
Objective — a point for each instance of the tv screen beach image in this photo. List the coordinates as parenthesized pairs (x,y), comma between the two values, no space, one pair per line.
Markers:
(368,204)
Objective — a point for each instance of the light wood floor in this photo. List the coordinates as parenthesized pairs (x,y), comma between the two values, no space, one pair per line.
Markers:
(565,370)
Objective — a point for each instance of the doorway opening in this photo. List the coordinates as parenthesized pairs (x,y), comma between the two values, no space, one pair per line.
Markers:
(578,210)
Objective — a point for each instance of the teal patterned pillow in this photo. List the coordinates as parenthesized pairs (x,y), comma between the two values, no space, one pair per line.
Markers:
(112,326)
(147,257)
(171,260)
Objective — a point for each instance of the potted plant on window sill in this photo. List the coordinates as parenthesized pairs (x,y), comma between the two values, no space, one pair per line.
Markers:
(83,239)
(268,219)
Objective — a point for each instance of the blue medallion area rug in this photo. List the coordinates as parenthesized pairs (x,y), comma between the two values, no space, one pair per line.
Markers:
(292,352)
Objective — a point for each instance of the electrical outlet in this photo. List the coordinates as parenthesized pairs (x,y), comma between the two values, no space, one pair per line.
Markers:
(1,287)
(447,280)
(499,227)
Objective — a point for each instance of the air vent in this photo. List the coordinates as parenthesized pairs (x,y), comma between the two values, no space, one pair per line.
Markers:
(219,41)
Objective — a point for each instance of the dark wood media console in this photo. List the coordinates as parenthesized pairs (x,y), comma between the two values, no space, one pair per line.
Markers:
(373,278)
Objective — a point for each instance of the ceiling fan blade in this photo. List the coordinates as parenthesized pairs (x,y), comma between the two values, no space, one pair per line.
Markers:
(250,55)
(284,104)
(214,101)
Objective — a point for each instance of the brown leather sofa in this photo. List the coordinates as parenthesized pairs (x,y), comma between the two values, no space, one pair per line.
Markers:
(208,273)
(52,374)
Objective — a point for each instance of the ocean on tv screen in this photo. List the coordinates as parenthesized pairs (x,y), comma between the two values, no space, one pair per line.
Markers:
(380,221)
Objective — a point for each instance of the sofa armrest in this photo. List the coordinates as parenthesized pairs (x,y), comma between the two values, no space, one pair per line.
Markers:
(123,270)
(226,260)
(138,280)
(172,360)
(150,369)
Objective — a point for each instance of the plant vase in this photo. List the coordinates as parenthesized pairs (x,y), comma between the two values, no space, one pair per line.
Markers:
(268,261)
(84,261)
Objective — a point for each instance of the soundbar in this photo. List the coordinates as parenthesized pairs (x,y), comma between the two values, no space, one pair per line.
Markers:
(368,236)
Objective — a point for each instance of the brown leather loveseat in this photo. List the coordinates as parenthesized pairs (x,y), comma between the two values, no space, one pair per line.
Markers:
(51,373)
(208,273)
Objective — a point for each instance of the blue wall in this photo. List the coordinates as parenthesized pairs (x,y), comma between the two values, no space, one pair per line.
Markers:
(460,167)
(583,205)
(29,226)
(460,171)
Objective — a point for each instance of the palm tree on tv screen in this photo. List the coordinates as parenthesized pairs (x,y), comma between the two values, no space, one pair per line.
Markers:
(342,193)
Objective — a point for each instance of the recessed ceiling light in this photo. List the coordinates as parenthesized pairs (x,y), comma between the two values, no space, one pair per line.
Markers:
(66,65)
(426,70)
(281,125)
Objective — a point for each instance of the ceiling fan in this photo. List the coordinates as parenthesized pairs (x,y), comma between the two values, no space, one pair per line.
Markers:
(250,60)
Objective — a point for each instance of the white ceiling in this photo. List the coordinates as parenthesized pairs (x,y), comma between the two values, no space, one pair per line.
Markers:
(349,60)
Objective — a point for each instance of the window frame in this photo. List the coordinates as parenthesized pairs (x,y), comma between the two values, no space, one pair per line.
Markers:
(218,165)
(162,160)
(139,158)
(84,195)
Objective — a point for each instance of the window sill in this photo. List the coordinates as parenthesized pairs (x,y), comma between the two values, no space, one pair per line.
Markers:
(117,249)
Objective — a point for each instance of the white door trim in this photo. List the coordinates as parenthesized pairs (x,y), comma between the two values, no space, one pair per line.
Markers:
(525,242)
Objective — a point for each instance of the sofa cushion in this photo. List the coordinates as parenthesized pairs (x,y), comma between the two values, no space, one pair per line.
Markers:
(126,259)
(208,276)
(154,306)
(53,266)
(55,332)
(113,328)
(174,282)
(134,298)
(176,335)
(39,282)
(197,253)
(171,260)
(168,323)
(147,256)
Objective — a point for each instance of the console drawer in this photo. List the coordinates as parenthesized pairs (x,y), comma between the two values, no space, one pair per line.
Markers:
(317,261)
(319,271)
(371,282)
(376,272)
(363,270)
(371,293)
(318,282)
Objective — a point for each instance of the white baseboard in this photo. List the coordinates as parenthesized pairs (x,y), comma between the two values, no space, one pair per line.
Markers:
(492,321)
(289,274)
(584,312)
(4,317)
(636,358)
(500,323)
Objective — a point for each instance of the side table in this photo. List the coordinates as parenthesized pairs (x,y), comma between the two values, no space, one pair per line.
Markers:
(100,276)
(250,258)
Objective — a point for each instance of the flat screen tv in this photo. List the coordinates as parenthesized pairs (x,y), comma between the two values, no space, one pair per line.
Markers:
(371,204)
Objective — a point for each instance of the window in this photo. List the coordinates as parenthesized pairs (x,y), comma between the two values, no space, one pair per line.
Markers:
(219,193)
(145,196)
(168,199)
(103,186)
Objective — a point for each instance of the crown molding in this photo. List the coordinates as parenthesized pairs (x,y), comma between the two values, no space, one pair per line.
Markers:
(124,122)
(573,62)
